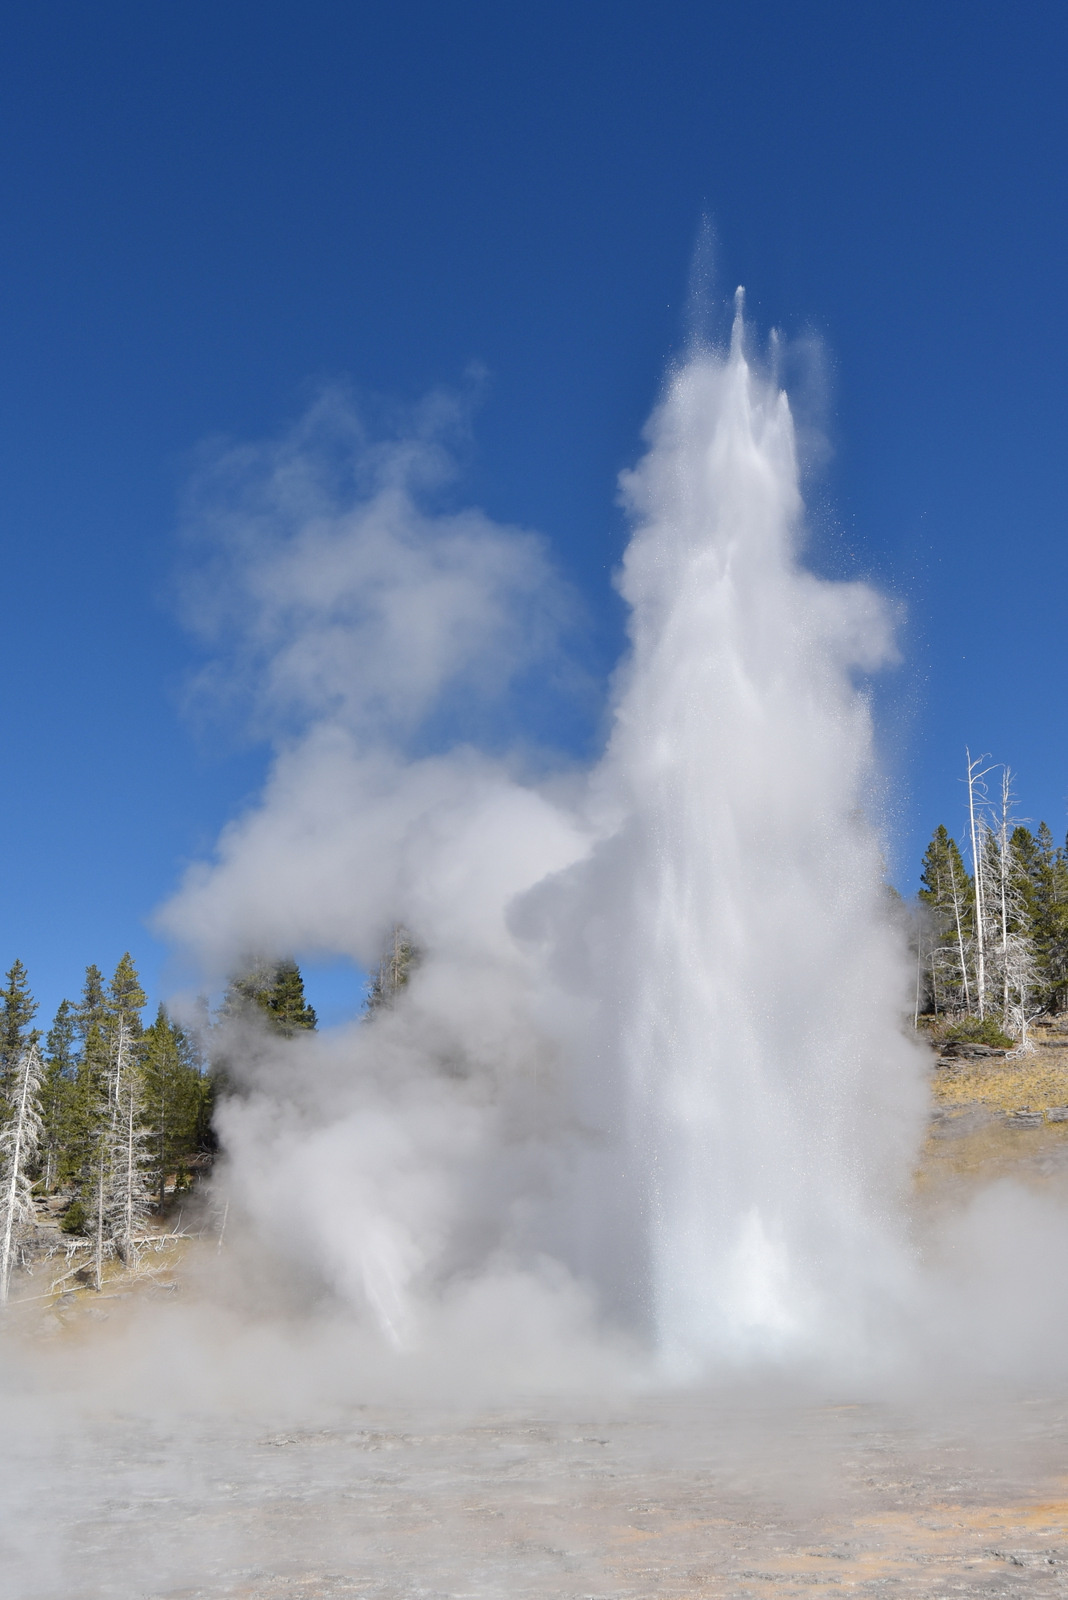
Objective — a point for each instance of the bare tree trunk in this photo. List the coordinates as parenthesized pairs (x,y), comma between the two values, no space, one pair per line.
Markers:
(21,1140)
(977,864)
(130,1176)
(960,935)
(98,1259)
(1003,864)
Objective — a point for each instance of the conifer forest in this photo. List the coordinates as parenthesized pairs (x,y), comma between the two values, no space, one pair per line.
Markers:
(990,926)
(107,1121)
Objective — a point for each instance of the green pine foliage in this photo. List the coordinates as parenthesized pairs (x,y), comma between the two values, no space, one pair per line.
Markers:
(287,1009)
(87,1112)
(1042,871)
(125,1000)
(948,895)
(117,1114)
(17,1010)
(91,1010)
(1023,916)
(75,1219)
(176,1098)
(120,1111)
(271,994)
(57,1092)
(976,1030)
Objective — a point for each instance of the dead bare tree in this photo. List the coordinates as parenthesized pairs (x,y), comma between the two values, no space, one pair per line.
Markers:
(979,826)
(120,1192)
(957,898)
(18,1143)
(394,970)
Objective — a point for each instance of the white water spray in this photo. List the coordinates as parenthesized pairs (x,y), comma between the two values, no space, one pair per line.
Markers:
(758,979)
(656,1034)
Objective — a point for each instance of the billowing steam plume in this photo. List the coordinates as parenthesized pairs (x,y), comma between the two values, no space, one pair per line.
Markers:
(649,1065)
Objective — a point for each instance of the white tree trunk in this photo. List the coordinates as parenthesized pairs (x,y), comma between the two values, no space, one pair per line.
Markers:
(1003,886)
(960,934)
(980,898)
(20,1139)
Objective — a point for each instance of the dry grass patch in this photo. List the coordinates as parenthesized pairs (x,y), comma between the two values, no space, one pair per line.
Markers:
(1037,1080)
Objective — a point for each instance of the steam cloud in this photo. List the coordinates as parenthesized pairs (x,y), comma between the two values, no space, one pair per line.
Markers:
(646,1111)
(648,1105)
(653,1049)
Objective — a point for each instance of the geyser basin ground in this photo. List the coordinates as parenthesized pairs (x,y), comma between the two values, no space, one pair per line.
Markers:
(687,1496)
(115,1488)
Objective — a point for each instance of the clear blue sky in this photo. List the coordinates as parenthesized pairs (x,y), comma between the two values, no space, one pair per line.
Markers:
(209,209)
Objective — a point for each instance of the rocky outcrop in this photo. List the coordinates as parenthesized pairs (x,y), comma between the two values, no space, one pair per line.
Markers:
(954,1049)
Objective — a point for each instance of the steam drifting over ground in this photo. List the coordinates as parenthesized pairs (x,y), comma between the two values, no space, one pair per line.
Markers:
(631,1157)
(651,1062)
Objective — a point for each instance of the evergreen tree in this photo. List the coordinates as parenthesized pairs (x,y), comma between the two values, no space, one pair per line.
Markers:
(947,893)
(174,1102)
(87,1114)
(287,1009)
(57,1092)
(1043,877)
(17,1010)
(91,1010)
(125,1000)
(272,993)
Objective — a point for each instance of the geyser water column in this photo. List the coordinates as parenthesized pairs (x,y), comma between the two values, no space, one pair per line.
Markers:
(755,986)
(655,1032)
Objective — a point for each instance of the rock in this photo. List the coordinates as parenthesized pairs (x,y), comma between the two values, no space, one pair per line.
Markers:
(969,1050)
(1024,1119)
(1057,1113)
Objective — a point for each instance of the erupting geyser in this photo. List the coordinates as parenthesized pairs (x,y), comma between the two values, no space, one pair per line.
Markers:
(758,979)
(655,1033)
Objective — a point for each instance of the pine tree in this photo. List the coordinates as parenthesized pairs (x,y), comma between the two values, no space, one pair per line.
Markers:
(1042,878)
(271,992)
(87,1116)
(174,1097)
(18,1145)
(17,1010)
(125,1001)
(57,1092)
(287,1008)
(91,1010)
(946,891)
